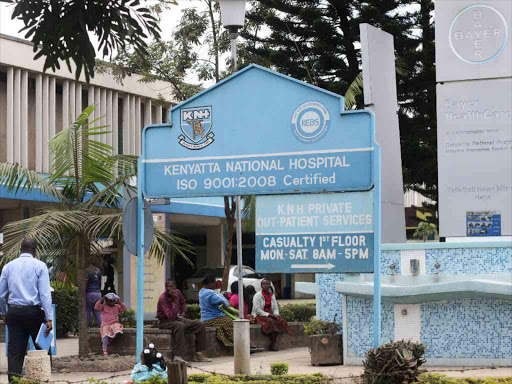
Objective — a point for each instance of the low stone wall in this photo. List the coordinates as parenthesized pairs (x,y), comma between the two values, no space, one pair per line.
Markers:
(126,344)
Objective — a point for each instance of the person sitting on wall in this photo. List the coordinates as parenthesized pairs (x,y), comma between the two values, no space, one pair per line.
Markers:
(211,315)
(233,300)
(266,312)
(249,293)
(171,315)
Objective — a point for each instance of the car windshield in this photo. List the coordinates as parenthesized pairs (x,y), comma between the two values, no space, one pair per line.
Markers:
(246,271)
(215,271)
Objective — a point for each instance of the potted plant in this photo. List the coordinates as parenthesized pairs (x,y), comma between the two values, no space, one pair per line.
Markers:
(325,342)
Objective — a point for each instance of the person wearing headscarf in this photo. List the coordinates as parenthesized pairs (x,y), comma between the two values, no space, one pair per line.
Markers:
(110,306)
(211,314)
(233,300)
(266,312)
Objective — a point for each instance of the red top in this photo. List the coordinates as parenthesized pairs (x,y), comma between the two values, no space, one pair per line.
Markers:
(268,301)
(167,310)
(234,303)
(109,315)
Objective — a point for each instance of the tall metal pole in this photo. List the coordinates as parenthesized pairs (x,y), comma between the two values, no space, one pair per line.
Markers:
(242,356)
(239,258)
(238,209)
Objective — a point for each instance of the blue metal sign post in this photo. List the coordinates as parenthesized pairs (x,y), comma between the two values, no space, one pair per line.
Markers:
(140,262)
(261,133)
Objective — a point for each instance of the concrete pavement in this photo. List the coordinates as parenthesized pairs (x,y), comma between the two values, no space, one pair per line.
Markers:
(298,360)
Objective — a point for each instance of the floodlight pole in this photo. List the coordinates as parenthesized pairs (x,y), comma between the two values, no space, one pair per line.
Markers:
(242,362)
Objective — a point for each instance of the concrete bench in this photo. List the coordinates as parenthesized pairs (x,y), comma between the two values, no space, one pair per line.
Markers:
(126,344)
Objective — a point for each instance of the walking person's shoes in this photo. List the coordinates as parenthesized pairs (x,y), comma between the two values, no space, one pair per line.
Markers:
(200,358)
(179,359)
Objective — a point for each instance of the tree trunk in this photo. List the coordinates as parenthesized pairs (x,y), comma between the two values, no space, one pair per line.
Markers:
(83,339)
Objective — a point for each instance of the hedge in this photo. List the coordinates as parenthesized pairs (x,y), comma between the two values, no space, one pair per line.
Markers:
(301,313)
(434,378)
(304,379)
(65,298)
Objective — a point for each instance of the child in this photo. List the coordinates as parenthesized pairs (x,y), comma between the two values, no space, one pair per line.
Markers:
(110,306)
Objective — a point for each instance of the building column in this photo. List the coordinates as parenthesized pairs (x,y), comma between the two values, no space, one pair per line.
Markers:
(39,122)
(132,121)
(17,116)
(78,100)
(65,104)
(10,115)
(24,119)
(46,123)
(126,125)
(138,126)
(158,114)
(103,117)
(52,96)
(109,116)
(115,123)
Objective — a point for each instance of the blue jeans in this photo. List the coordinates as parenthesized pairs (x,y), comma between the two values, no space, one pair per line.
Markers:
(91,299)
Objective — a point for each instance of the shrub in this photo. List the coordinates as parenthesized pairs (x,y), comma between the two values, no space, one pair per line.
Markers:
(287,314)
(321,327)
(433,378)
(193,312)
(127,318)
(301,312)
(278,369)
(65,298)
(396,362)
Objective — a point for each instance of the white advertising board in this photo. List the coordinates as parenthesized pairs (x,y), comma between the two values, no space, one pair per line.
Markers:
(474,130)
(473,39)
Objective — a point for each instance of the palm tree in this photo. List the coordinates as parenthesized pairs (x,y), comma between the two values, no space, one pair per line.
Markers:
(424,231)
(88,183)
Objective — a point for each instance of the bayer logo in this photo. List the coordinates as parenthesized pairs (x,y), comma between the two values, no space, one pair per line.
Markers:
(310,121)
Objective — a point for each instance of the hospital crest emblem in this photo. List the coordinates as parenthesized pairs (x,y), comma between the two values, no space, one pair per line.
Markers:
(196,127)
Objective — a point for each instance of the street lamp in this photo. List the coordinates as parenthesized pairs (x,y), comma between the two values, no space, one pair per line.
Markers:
(233,16)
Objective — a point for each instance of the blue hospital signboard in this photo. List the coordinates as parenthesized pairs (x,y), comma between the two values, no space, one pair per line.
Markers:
(311,233)
(261,133)
(258,132)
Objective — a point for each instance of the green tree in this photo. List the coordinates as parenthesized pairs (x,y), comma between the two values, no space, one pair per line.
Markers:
(88,182)
(318,41)
(173,61)
(424,231)
(61,30)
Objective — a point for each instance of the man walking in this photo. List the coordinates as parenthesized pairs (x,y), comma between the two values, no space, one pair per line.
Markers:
(171,315)
(27,282)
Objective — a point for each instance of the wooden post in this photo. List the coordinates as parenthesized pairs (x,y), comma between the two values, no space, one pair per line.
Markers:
(177,373)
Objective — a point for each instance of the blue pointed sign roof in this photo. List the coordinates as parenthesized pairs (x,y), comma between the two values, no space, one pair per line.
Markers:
(258,132)
(255,67)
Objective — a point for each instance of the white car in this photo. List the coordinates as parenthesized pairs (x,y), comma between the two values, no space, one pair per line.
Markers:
(192,285)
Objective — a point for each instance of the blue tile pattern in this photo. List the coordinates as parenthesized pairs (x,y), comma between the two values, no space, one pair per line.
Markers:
(472,328)
(328,301)
(469,261)
(469,328)
(388,258)
(360,325)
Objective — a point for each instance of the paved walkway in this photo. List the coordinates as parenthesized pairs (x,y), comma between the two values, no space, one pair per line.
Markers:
(298,360)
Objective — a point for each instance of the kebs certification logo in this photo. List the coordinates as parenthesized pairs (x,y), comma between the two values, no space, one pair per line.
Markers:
(310,121)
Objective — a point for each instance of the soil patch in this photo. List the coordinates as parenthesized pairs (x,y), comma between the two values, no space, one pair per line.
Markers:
(93,363)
